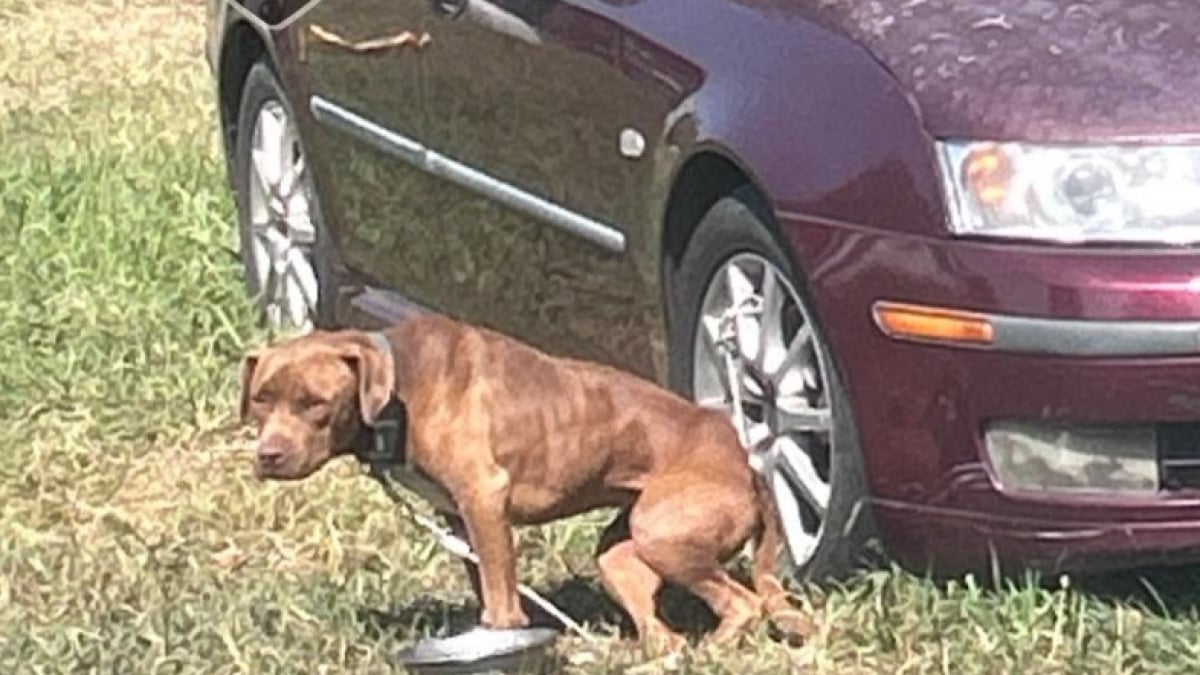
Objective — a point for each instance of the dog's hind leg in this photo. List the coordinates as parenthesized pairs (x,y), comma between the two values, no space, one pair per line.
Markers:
(795,624)
(684,530)
(633,584)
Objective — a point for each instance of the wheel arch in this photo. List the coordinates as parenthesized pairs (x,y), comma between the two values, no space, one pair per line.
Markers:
(241,48)
(709,174)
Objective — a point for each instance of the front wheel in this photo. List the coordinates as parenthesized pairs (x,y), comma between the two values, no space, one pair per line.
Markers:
(283,242)
(793,405)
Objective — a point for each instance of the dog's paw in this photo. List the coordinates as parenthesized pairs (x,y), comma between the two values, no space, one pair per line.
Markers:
(663,642)
(511,619)
(792,625)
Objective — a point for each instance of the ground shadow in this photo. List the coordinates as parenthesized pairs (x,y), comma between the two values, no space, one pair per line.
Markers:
(584,600)
(1166,591)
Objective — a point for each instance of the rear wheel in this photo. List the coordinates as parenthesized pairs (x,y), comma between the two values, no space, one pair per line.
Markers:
(282,237)
(734,283)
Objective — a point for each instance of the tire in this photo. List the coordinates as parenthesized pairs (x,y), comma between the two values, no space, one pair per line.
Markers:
(262,90)
(735,227)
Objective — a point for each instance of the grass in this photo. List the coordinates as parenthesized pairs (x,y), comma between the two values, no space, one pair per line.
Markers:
(132,538)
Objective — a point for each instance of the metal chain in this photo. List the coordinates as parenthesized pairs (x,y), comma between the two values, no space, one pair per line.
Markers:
(734,379)
(459,547)
(728,338)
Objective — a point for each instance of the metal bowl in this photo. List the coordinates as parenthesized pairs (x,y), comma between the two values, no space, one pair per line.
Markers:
(481,650)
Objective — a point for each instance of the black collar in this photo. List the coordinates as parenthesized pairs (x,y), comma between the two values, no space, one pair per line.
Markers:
(384,443)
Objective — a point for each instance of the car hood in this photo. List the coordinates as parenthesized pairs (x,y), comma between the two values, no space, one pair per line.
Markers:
(1039,70)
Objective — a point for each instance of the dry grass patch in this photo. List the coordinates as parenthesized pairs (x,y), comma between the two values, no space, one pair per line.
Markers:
(88,69)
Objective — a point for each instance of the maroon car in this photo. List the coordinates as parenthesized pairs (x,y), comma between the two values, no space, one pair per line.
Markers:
(938,259)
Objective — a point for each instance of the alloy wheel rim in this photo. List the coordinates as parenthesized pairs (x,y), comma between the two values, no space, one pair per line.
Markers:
(282,231)
(782,390)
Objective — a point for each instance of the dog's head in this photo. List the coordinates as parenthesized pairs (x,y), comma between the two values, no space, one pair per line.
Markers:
(310,397)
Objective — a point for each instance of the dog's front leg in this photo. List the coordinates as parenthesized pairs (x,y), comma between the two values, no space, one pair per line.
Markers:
(458,528)
(537,615)
(491,536)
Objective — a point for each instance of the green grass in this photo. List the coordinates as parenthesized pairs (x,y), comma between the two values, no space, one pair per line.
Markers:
(132,538)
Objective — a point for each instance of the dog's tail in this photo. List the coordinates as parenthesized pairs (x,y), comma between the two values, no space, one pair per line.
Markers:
(790,620)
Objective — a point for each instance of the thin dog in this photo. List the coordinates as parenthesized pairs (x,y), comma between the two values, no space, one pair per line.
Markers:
(496,433)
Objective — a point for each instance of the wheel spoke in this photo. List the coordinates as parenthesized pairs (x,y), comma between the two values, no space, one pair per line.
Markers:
(275,240)
(748,331)
(261,250)
(795,414)
(710,358)
(714,403)
(270,285)
(269,157)
(291,185)
(274,312)
(771,341)
(795,463)
(292,301)
(301,271)
(740,287)
(800,541)
(710,334)
(299,222)
(262,170)
(788,374)
(288,157)
(757,433)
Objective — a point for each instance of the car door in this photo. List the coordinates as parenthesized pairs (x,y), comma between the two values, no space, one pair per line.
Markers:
(361,63)
(545,135)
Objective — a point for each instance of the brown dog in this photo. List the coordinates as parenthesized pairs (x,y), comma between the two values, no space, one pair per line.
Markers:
(513,436)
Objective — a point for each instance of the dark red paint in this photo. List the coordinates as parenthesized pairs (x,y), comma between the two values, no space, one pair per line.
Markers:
(830,107)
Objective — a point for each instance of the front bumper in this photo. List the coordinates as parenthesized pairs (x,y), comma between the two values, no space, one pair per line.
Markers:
(1086,337)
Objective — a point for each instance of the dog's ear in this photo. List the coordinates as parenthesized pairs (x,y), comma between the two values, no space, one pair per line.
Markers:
(376,381)
(249,364)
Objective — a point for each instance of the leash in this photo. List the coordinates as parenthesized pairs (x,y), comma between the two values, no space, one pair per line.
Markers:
(459,547)
(727,344)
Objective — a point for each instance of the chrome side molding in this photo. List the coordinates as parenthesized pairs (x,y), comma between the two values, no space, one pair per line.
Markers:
(437,164)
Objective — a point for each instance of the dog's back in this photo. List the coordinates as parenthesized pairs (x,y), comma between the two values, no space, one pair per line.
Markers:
(571,434)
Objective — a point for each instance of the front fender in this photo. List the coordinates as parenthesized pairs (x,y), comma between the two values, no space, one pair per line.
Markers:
(824,129)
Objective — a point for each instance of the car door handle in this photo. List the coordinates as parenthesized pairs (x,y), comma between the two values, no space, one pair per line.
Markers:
(380,44)
(449,9)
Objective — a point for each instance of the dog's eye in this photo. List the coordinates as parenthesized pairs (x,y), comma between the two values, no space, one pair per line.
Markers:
(318,411)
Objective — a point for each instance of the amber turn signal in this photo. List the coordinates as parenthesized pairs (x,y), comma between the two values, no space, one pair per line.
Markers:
(932,324)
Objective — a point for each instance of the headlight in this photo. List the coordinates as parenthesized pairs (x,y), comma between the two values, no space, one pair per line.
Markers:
(1145,193)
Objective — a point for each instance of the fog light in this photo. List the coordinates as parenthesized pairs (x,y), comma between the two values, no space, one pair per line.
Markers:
(1074,459)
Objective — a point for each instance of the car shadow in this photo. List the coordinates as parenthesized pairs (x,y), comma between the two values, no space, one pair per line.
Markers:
(1167,592)
(584,600)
